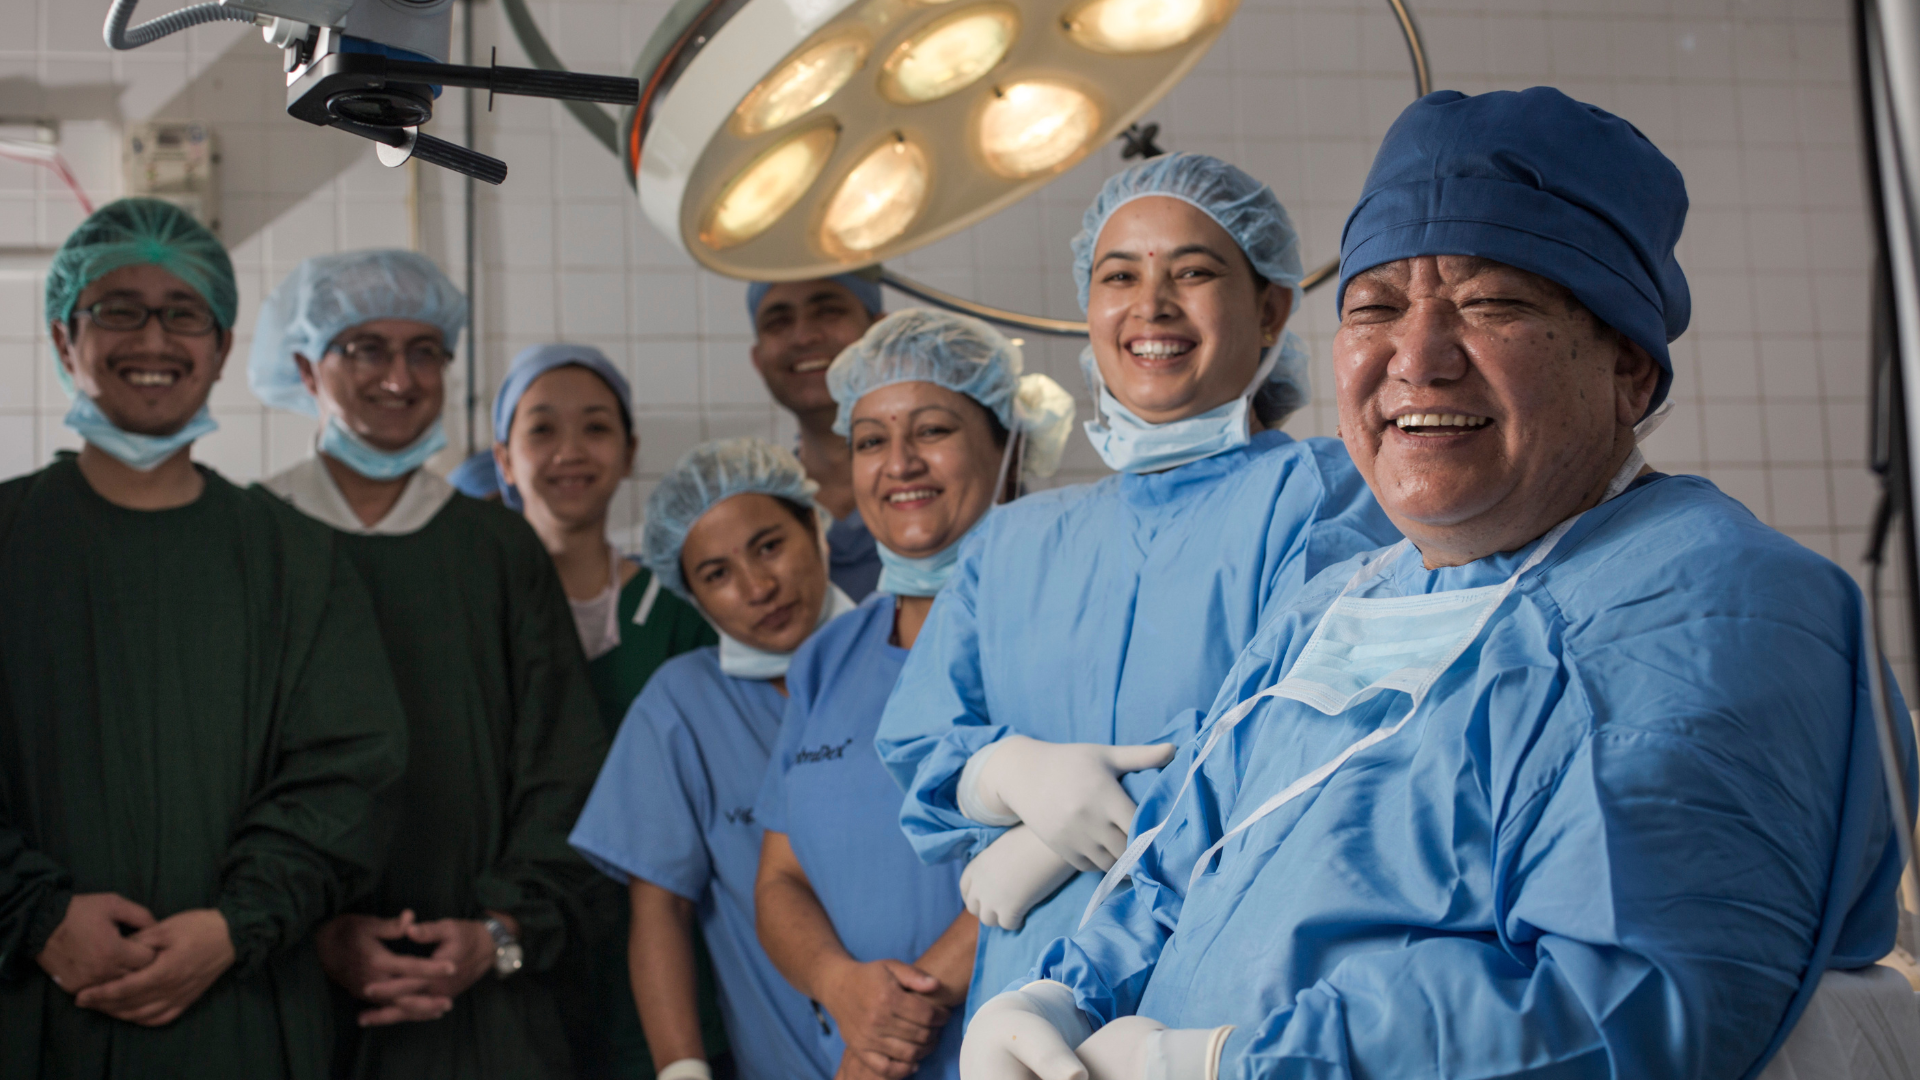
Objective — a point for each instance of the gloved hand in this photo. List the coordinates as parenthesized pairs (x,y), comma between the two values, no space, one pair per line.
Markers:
(1069,792)
(1017,871)
(1141,1048)
(1026,1034)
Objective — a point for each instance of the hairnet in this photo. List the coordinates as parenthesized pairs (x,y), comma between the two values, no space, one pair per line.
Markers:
(866,290)
(535,361)
(329,294)
(1250,213)
(967,357)
(708,474)
(129,232)
(1541,182)
(476,476)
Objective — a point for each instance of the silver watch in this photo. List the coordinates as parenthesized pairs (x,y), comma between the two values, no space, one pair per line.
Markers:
(506,948)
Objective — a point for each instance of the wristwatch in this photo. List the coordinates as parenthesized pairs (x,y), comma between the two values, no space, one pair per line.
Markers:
(506,948)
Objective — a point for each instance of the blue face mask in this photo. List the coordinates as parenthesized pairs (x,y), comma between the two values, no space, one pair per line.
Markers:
(903,576)
(142,452)
(346,448)
(1132,445)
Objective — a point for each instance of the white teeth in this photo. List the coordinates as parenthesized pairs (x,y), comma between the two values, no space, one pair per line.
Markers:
(152,378)
(806,366)
(911,496)
(1159,348)
(1440,420)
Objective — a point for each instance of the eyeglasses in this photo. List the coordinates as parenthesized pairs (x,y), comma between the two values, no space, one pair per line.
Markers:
(373,354)
(191,320)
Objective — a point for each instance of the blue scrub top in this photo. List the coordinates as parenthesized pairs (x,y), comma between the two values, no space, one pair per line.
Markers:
(828,792)
(853,557)
(674,807)
(1624,836)
(1107,613)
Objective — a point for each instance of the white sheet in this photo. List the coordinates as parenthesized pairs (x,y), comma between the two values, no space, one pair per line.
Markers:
(1860,1025)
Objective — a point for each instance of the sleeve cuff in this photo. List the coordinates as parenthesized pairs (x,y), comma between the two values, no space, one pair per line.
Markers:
(46,918)
(252,934)
(967,794)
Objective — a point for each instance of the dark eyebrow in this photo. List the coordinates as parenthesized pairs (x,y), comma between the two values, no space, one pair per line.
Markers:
(1124,256)
(755,540)
(1199,249)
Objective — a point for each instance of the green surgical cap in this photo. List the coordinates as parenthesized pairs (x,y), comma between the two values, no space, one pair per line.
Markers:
(129,232)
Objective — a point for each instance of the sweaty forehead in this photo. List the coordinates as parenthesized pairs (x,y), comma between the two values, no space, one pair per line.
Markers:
(1456,271)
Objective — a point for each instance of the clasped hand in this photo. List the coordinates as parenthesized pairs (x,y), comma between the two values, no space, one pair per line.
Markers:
(148,976)
(354,953)
(890,1015)
(1069,793)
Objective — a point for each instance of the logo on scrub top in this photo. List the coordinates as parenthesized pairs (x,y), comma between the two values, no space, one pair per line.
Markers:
(826,752)
(741,816)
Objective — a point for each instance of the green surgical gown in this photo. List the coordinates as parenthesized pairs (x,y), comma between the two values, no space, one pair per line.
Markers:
(504,746)
(195,712)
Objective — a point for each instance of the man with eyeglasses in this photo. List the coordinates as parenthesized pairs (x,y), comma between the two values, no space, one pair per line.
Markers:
(480,900)
(185,790)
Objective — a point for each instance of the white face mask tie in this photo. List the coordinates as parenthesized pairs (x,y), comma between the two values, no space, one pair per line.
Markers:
(1361,648)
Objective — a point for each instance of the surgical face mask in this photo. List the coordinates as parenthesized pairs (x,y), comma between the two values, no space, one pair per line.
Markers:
(1129,444)
(904,576)
(743,661)
(347,448)
(142,452)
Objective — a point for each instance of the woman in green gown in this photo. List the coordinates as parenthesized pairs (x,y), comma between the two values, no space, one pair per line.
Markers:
(564,442)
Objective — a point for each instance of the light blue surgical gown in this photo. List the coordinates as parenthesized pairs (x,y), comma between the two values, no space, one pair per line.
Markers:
(674,807)
(1107,613)
(1623,837)
(838,807)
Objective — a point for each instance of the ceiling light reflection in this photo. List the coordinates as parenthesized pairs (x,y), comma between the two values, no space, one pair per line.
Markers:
(877,200)
(801,84)
(767,188)
(1030,127)
(949,55)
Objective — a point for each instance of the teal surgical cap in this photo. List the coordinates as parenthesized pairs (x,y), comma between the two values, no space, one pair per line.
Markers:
(1250,213)
(967,357)
(709,474)
(130,232)
(330,294)
(1540,182)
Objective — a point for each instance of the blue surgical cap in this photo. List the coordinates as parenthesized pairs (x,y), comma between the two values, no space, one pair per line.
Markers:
(1250,213)
(865,289)
(476,476)
(967,357)
(1540,182)
(330,294)
(130,232)
(535,361)
(710,473)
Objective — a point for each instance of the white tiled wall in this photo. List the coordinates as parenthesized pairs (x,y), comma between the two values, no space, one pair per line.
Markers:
(1752,98)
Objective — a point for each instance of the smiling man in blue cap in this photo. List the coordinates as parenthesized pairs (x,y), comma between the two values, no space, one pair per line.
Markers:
(1580,779)
(798,328)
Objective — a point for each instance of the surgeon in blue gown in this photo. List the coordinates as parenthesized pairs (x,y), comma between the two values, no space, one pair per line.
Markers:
(1087,628)
(940,421)
(1579,781)
(733,529)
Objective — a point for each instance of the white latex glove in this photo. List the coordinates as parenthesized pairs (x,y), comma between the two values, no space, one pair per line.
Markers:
(1069,792)
(1017,871)
(1119,1050)
(1141,1048)
(1026,1034)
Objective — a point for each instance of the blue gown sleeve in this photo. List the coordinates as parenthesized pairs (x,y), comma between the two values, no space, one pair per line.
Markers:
(936,718)
(645,818)
(1665,854)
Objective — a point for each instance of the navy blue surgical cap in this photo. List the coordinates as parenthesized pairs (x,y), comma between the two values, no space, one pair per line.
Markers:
(866,290)
(1541,182)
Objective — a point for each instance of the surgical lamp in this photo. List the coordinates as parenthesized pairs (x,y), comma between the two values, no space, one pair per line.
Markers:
(373,68)
(779,140)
